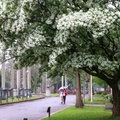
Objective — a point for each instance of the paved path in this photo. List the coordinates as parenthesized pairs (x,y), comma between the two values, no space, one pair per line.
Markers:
(34,110)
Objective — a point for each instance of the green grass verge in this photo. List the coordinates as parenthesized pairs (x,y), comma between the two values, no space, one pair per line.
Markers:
(52,94)
(20,99)
(97,95)
(85,113)
(97,99)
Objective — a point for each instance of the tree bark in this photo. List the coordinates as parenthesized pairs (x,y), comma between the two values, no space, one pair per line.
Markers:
(105,87)
(116,100)
(79,103)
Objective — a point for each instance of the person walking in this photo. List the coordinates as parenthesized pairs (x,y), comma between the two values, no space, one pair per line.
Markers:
(61,96)
(64,95)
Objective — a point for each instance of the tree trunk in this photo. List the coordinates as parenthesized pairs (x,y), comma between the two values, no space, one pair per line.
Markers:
(105,87)
(116,100)
(79,103)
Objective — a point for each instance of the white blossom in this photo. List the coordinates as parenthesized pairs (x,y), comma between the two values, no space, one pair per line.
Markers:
(84,60)
(55,53)
(61,37)
(32,40)
(17,16)
(2,47)
(97,19)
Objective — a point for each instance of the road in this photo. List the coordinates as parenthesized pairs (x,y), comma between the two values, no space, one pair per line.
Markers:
(34,110)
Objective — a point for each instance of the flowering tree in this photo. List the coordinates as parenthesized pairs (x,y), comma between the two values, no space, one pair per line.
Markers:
(80,34)
(94,38)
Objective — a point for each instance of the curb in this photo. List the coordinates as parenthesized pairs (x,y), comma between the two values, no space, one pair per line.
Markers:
(54,113)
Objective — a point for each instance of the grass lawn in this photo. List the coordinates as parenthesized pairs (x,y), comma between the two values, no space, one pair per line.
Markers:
(29,98)
(20,99)
(85,113)
(52,94)
(97,99)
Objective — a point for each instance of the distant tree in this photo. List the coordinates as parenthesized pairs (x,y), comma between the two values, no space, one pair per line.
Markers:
(0,79)
(36,80)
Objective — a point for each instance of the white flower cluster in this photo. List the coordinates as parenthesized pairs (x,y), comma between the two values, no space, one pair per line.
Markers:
(96,19)
(28,0)
(20,22)
(2,8)
(2,46)
(84,60)
(52,58)
(54,54)
(32,40)
(16,16)
(61,36)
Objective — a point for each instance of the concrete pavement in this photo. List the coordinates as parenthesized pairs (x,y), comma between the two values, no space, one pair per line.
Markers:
(34,110)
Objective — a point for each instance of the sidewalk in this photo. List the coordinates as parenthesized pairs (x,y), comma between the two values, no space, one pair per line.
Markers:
(34,110)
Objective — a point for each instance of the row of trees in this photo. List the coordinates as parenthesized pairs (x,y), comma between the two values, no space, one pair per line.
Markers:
(63,34)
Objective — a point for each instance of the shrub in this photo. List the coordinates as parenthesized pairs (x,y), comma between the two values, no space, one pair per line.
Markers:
(99,92)
(108,97)
(104,93)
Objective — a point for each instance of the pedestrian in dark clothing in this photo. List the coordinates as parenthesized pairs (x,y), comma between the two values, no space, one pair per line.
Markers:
(64,95)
